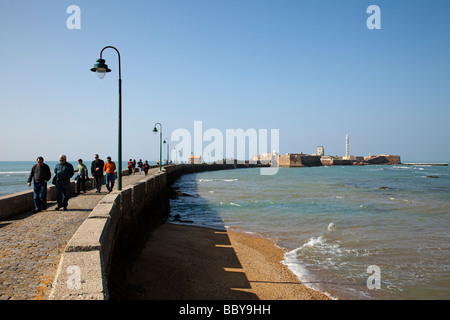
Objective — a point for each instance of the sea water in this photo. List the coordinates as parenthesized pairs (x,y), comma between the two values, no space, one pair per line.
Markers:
(335,222)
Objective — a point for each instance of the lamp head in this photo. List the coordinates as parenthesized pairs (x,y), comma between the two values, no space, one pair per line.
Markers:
(100,68)
(155,130)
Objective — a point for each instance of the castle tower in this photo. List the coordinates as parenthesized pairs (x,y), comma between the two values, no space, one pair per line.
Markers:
(320,151)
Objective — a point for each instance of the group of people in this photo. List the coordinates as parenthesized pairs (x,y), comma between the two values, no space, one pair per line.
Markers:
(64,170)
(131,166)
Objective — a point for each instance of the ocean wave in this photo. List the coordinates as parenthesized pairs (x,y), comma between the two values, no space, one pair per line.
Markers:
(303,275)
(213,180)
(13,172)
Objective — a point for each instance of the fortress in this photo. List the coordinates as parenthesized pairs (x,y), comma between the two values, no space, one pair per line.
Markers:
(290,160)
(305,160)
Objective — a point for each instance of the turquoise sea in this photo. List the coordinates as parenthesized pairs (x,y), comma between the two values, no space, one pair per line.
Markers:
(335,222)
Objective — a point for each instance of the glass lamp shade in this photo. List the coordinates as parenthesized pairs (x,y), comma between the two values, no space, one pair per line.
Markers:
(100,74)
(100,68)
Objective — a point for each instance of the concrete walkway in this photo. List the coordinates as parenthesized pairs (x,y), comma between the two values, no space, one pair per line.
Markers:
(32,244)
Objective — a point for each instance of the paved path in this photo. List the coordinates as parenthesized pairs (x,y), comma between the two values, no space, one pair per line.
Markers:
(31,245)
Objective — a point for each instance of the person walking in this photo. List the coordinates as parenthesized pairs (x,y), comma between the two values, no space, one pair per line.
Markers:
(82,176)
(97,172)
(109,168)
(140,165)
(41,173)
(63,172)
(130,167)
(146,167)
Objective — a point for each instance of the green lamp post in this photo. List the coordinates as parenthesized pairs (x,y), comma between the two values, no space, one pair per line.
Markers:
(166,141)
(155,130)
(101,68)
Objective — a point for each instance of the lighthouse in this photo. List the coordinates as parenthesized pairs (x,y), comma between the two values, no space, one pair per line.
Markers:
(346,147)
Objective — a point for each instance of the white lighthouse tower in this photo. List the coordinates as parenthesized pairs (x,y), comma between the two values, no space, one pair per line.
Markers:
(347,155)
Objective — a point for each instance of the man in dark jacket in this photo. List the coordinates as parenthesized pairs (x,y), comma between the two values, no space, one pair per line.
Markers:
(97,172)
(63,171)
(41,174)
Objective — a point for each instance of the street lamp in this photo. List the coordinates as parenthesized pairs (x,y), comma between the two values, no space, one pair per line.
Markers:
(155,130)
(101,68)
(176,155)
(167,141)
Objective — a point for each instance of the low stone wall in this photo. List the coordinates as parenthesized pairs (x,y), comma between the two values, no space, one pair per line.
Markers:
(21,202)
(176,171)
(99,253)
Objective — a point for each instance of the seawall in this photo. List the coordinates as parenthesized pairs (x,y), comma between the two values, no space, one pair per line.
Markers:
(102,251)
(99,253)
(174,172)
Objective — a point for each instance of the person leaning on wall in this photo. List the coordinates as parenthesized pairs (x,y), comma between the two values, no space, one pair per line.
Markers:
(82,176)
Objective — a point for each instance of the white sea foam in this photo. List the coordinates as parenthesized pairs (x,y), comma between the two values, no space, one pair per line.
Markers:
(212,180)
(13,172)
(331,227)
(313,242)
(302,274)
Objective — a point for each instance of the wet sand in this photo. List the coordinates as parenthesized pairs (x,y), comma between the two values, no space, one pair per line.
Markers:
(186,262)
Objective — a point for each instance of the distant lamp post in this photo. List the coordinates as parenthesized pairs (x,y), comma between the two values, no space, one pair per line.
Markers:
(155,131)
(166,141)
(101,68)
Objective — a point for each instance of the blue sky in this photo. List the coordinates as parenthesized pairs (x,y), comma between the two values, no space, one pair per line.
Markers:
(311,69)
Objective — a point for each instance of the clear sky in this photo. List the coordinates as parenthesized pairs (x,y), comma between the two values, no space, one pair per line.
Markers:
(310,68)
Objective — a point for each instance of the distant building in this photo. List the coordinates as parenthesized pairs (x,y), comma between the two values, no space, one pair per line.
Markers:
(194,159)
(290,160)
(320,151)
(265,158)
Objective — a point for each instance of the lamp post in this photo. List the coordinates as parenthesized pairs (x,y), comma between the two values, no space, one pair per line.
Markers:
(101,68)
(167,141)
(155,130)
(176,155)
